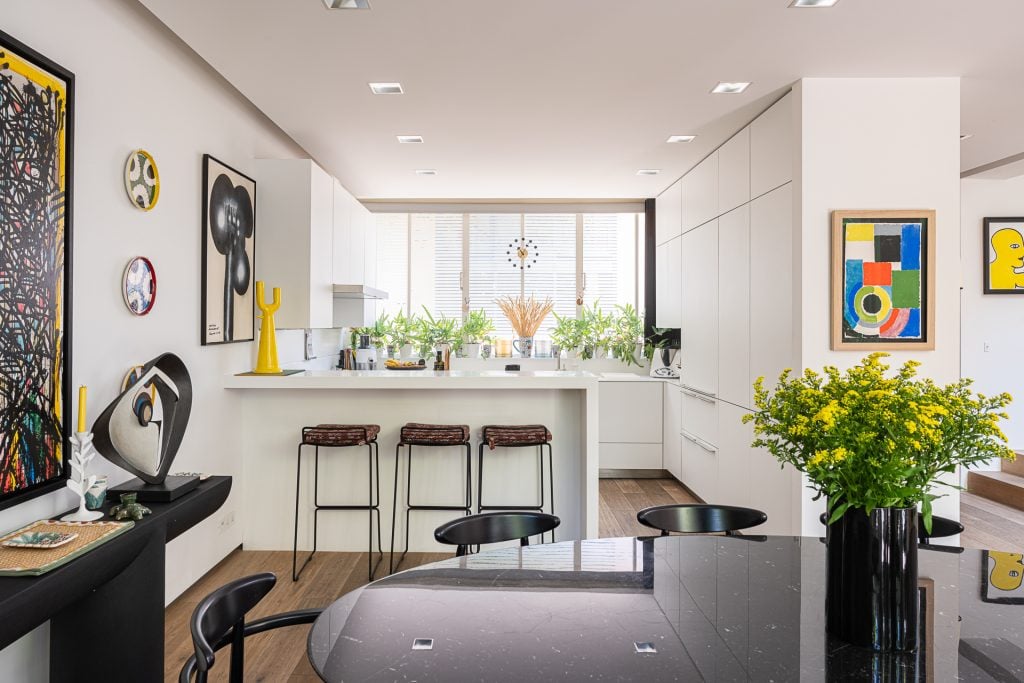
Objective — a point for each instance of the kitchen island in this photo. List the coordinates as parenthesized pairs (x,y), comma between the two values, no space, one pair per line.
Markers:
(275,409)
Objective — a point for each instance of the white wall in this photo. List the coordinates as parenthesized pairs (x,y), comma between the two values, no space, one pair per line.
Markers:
(994,320)
(139,86)
(877,143)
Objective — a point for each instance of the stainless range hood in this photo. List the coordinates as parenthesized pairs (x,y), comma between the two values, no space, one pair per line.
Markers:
(359,292)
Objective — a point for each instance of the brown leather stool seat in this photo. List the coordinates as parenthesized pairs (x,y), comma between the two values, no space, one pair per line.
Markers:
(419,434)
(517,436)
(511,436)
(336,435)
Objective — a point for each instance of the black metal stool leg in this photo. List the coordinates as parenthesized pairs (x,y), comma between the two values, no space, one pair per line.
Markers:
(394,511)
(551,479)
(298,482)
(469,479)
(480,479)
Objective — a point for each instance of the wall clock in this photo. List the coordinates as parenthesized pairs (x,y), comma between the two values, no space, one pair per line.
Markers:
(522,253)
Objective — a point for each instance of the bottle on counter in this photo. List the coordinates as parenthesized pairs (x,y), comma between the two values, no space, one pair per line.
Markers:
(439,362)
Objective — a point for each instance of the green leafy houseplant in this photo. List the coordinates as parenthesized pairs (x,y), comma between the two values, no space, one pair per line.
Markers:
(434,332)
(476,327)
(402,330)
(657,341)
(596,326)
(567,333)
(625,333)
(380,331)
(867,439)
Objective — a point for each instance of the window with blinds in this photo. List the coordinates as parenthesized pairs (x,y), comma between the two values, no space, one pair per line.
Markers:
(425,259)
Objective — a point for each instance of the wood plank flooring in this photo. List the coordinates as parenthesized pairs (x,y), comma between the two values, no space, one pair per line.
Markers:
(281,655)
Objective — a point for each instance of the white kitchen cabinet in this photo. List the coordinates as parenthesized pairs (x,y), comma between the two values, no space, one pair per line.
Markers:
(771,148)
(699,464)
(699,309)
(668,283)
(700,415)
(734,451)
(771,284)
(734,172)
(734,307)
(671,439)
(355,245)
(629,412)
(700,193)
(668,210)
(774,490)
(295,210)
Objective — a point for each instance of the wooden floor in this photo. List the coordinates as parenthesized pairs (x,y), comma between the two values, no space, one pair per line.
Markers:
(281,655)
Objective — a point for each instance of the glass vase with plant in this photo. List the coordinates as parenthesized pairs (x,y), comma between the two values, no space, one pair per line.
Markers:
(475,330)
(876,445)
(626,334)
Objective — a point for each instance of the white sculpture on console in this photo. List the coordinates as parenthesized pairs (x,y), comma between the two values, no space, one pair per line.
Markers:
(82,452)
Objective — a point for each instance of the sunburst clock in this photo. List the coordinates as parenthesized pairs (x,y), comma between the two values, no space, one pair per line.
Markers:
(522,253)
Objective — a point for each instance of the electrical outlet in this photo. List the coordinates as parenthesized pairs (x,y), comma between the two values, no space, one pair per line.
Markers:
(309,344)
(227,521)
(986,347)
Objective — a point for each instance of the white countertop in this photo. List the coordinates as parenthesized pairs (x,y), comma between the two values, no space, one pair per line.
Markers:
(418,379)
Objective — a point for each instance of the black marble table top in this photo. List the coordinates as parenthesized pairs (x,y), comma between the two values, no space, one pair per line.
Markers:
(680,608)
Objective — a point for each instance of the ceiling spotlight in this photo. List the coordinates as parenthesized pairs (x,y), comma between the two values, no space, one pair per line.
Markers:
(813,3)
(965,136)
(681,138)
(347,4)
(410,139)
(648,171)
(425,171)
(386,88)
(729,88)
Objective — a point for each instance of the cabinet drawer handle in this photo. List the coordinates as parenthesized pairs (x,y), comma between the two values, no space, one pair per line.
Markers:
(709,394)
(699,397)
(700,442)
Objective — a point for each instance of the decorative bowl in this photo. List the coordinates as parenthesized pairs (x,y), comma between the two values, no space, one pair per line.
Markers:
(39,539)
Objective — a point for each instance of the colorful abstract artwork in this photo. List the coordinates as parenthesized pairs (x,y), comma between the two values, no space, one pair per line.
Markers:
(229,254)
(138,285)
(1004,256)
(36,143)
(882,279)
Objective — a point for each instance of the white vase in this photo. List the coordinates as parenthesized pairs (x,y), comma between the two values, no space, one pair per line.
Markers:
(406,351)
(471,350)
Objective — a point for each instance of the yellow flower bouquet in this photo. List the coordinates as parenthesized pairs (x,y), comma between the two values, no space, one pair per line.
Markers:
(869,439)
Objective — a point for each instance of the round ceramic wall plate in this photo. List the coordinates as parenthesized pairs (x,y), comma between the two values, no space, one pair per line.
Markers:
(139,286)
(142,180)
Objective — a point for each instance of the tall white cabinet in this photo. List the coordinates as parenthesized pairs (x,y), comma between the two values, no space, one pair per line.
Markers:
(735,314)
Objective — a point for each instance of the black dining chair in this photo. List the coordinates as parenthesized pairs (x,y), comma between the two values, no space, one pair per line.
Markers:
(941,528)
(219,620)
(494,527)
(700,519)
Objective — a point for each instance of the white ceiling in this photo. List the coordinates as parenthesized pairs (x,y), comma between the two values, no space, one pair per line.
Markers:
(568,98)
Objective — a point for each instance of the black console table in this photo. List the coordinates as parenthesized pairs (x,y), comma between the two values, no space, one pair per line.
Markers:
(106,607)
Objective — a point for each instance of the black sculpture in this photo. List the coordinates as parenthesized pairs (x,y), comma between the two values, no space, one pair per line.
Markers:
(231,222)
(143,428)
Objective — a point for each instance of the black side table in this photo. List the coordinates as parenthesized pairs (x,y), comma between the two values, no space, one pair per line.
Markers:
(106,608)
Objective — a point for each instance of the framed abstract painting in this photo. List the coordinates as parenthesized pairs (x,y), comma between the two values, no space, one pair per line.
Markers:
(37,100)
(1004,256)
(229,254)
(883,280)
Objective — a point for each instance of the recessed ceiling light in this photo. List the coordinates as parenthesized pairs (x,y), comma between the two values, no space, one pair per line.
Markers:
(648,171)
(681,138)
(813,3)
(410,139)
(386,88)
(347,4)
(729,88)
(425,171)
(964,136)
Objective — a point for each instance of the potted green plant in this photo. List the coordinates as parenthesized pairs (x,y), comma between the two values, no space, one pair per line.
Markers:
(567,335)
(596,327)
(475,330)
(379,333)
(402,333)
(438,334)
(625,335)
(875,445)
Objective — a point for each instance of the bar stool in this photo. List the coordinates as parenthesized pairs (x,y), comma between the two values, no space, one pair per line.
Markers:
(417,434)
(339,436)
(517,436)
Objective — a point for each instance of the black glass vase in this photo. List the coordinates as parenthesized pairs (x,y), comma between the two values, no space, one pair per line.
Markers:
(871,597)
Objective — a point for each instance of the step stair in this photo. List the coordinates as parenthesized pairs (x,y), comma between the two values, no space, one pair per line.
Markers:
(1006,486)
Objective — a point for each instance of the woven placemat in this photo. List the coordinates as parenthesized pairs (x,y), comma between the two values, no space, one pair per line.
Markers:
(36,561)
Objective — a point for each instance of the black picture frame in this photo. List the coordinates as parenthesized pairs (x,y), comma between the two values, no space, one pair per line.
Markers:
(10,46)
(986,246)
(227,336)
(1005,562)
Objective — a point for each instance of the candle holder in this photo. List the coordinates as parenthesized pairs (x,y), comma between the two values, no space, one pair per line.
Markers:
(82,452)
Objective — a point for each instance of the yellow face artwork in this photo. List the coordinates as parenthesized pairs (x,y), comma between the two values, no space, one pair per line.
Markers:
(1009,247)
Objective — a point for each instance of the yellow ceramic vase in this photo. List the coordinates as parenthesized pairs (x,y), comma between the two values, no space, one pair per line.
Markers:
(266,357)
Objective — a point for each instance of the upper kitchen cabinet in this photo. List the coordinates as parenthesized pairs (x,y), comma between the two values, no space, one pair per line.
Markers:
(668,281)
(771,285)
(295,234)
(734,172)
(700,193)
(355,244)
(699,299)
(771,148)
(668,213)
(734,307)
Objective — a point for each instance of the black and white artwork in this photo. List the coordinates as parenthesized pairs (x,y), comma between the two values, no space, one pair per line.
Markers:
(229,253)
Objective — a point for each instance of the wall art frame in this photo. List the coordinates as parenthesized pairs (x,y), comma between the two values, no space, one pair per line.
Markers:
(37,116)
(1002,254)
(228,255)
(883,280)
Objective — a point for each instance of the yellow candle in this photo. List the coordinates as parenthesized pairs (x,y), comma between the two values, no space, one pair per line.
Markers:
(81,408)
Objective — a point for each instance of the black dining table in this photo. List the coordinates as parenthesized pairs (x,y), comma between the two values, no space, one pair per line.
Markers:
(676,608)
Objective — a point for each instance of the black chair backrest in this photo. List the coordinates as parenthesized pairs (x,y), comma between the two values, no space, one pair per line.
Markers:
(941,527)
(700,519)
(221,616)
(494,527)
